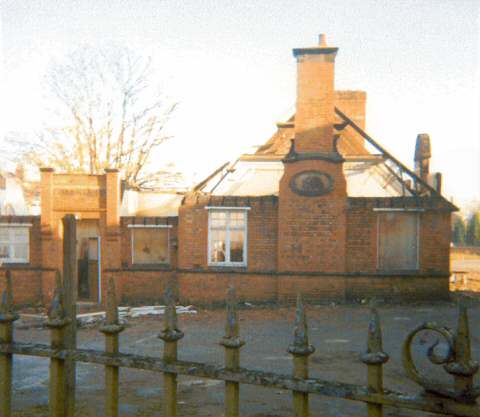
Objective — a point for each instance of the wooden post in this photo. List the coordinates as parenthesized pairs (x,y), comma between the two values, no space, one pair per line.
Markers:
(57,322)
(463,368)
(111,330)
(7,317)
(301,350)
(374,358)
(70,298)
(170,335)
(232,343)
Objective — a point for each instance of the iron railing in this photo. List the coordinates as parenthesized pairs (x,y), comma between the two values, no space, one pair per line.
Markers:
(457,400)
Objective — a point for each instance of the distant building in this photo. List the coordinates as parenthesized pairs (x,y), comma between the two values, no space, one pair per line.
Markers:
(321,208)
(12,199)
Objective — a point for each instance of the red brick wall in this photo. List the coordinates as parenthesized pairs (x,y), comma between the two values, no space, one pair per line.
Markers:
(261,233)
(193,236)
(435,238)
(314,117)
(353,104)
(361,252)
(211,288)
(26,285)
(207,288)
(397,288)
(140,286)
(312,230)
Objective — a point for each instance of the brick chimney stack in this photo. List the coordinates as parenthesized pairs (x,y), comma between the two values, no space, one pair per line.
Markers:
(313,190)
(315,113)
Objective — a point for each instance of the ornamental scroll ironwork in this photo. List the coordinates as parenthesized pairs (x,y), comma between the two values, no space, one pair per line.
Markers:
(311,183)
(456,360)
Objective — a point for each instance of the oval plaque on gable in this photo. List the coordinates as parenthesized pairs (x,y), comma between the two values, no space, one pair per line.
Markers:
(311,183)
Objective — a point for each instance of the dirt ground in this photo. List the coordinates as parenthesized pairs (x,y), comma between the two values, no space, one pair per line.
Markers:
(337,332)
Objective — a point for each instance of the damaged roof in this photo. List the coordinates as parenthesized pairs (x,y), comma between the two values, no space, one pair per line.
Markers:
(367,173)
(150,203)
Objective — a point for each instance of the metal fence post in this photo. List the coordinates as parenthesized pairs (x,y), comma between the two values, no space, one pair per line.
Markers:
(70,305)
(7,317)
(301,350)
(232,343)
(170,335)
(57,321)
(463,368)
(111,330)
(374,358)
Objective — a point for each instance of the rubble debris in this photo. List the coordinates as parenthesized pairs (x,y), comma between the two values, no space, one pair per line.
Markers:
(124,312)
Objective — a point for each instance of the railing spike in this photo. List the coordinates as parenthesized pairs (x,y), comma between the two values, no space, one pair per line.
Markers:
(463,368)
(7,317)
(301,350)
(374,358)
(375,343)
(231,326)
(6,306)
(170,330)
(112,306)
(462,339)
(56,310)
(170,335)
(375,354)
(232,330)
(300,345)
(171,322)
(58,279)
(232,343)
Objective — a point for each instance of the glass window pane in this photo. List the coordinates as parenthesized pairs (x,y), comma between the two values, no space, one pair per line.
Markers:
(4,234)
(3,251)
(20,251)
(218,219)
(237,219)
(150,246)
(217,245)
(20,234)
(236,245)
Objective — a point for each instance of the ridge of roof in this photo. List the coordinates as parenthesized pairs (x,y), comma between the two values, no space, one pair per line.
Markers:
(389,156)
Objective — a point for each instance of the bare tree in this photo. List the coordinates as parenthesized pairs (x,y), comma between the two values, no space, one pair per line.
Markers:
(105,113)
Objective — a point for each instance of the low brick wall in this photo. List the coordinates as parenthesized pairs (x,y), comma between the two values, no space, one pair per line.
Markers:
(139,286)
(210,287)
(26,285)
(34,286)
(398,288)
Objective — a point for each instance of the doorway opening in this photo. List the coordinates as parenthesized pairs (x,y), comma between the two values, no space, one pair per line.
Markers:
(89,261)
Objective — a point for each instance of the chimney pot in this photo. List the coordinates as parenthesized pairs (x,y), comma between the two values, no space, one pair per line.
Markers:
(322,39)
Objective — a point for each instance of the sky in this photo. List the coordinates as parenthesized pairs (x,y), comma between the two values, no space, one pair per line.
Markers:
(230,67)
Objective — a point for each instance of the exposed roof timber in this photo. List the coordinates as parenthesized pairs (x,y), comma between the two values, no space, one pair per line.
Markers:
(401,180)
(201,184)
(231,169)
(389,156)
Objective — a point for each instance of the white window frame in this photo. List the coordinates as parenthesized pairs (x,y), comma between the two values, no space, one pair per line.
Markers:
(227,239)
(404,210)
(149,226)
(10,243)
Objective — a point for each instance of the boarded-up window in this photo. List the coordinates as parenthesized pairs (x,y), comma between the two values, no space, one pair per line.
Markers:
(397,241)
(150,245)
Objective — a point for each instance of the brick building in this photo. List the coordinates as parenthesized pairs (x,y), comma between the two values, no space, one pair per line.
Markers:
(321,208)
